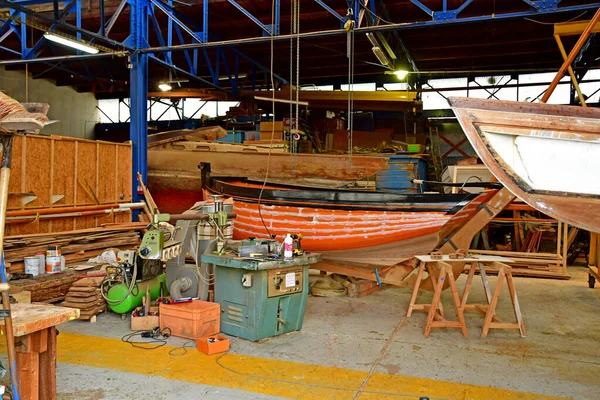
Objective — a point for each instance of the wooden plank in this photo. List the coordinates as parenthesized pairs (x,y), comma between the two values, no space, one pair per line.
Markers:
(48,367)
(28,318)
(37,173)
(362,288)
(517,254)
(363,273)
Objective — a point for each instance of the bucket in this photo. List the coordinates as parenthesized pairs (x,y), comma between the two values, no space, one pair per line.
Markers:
(53,251)
(32,265)
(42,257)
(53,265)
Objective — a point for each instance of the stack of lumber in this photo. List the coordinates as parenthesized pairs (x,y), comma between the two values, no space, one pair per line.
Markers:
(76,246)
(534,265)
(85,295)
(48,288)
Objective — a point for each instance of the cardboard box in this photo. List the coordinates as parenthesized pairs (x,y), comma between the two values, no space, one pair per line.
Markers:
(277,135)
(305,146)
(213,344)
(268,127)
(145,323)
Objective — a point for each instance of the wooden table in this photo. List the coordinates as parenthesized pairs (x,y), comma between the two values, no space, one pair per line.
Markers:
(34,328)
(440,270)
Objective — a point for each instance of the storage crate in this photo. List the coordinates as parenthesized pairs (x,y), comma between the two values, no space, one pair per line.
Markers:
(191,320)
(218,344)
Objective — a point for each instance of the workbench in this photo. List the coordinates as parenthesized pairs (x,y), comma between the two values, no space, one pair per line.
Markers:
(34,328)
(260,298)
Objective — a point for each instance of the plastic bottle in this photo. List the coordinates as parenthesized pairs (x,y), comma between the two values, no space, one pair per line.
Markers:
(288,243)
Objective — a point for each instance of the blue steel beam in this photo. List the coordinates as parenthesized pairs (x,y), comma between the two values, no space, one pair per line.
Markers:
(252,17)
(17,7)
(330,10)
(422,7)
(403,26)
(138,92)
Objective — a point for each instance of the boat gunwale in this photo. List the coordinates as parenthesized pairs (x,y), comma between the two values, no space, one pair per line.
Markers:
(517,107)
(278,197)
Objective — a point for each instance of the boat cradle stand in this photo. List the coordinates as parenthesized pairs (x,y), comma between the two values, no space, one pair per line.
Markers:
(440,270)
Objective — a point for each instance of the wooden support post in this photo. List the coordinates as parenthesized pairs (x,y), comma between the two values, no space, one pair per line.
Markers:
(561,48)
(491,321)
(565,240)
(439,272)
(574,52)
(415,292)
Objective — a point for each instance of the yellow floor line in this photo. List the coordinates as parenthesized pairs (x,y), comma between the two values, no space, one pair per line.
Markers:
(263,375)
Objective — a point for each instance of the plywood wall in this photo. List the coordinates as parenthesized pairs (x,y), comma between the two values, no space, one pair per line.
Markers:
(82,172)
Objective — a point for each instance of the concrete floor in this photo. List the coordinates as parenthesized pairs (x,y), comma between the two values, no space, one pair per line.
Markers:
(360,348)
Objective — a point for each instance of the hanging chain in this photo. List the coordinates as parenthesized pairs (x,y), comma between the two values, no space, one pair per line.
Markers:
(297,121)
(292,29)
(350,55)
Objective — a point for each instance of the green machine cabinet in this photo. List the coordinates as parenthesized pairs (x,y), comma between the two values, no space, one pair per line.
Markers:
(260,299)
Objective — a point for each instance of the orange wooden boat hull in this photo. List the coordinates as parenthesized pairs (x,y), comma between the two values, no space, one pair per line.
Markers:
(333,230)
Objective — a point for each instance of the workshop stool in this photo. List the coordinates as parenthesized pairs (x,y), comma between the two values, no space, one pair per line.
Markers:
(488,310)
(436,318)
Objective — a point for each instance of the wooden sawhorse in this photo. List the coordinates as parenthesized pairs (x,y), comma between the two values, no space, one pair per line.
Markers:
(439,271)
(489,309)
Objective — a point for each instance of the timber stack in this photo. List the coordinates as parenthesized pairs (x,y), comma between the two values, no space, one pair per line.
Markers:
(77,246)
(85,295)
(48,288)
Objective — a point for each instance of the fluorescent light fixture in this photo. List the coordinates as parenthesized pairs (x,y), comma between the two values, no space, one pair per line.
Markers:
(381,57)
(164,86)
(401,73)
(373,40)
(71,43)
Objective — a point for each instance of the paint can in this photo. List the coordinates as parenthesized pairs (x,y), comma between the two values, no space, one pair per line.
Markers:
(42,258)
(32,265)
(53,250)
(53,264)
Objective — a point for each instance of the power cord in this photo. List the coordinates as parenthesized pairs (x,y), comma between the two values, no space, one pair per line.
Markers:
(182,350)
(158,337)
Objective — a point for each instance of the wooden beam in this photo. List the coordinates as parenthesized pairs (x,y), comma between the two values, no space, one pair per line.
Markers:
(574,28)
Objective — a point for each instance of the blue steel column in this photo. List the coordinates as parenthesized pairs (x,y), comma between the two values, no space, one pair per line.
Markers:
(138,92)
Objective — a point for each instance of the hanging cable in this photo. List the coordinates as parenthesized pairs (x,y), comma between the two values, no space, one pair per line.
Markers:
(262,189)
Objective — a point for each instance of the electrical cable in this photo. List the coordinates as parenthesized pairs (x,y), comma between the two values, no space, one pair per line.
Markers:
(182,350)
(553,23)
(262,189)
(158,338)
(373,14)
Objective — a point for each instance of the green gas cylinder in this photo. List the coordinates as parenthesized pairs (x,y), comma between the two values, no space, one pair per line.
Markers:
(134,299)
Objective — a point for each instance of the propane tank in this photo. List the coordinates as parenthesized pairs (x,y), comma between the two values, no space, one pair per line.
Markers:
(134,299)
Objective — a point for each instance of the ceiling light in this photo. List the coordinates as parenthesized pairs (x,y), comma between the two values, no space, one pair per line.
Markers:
(381,57)
(401,73)
(75,44)
(164,86)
